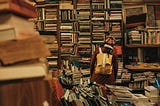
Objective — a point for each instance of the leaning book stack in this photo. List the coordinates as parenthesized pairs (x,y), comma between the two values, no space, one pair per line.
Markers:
(20,59)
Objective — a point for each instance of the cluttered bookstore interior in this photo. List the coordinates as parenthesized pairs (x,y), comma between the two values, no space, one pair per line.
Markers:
(48,47)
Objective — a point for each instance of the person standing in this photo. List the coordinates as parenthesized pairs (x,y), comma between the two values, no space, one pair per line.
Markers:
(107,47)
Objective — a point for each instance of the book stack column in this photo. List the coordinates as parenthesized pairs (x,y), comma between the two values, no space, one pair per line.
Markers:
(22,75)
(68,32)
(84,46)
(48,27)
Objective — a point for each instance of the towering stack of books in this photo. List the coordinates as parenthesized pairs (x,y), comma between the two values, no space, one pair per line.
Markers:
(20,46)
(14,23)
(20,59)
(84,39)
(46,23)
(98,17)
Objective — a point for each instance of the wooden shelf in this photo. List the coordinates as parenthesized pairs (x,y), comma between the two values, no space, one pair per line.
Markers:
(114,9)
(142,68)
(142,45)
(46,5)
(152,1)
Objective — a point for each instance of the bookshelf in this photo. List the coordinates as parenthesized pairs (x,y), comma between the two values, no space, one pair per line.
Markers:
(114,12)
(141,44)
(68,32)
(98,17)
(114,24)
(106,20)
(47,17)
(79,26)
(47,25)
(84,44)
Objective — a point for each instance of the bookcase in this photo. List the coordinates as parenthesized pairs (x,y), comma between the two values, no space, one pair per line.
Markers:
(68,33)
(98,21)
(114,17)
(141,44)
(115,25)
(84,46)
(79,26)
(106,20)
(47,25)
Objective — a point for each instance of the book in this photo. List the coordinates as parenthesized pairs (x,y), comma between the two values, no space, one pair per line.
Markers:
(23,71)
(18,7)
(7,33)
(15,27)
(83,1)
(14,51)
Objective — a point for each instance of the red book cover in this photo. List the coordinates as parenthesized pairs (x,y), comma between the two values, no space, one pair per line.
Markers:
(118,50)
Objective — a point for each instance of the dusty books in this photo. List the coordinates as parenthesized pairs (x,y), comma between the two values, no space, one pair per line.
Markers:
(19,7)
(15,27)
(30,70)
(122,93)
(15,51)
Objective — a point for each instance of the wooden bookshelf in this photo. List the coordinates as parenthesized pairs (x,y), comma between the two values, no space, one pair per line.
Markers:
(114,10)
(84,43)
(141,44)
(143,68)
(98,25)
(142,39)
(81,26)
(47,24)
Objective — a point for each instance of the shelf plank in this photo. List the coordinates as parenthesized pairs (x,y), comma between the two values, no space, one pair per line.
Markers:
(138,68)
(142,45)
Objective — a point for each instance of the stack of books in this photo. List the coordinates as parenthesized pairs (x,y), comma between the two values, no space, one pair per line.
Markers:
(20,59)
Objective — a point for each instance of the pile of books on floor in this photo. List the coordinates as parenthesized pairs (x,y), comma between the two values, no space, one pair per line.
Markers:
(123,94)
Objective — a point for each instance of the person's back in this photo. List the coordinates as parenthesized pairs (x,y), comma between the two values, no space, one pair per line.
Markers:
(109,49)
